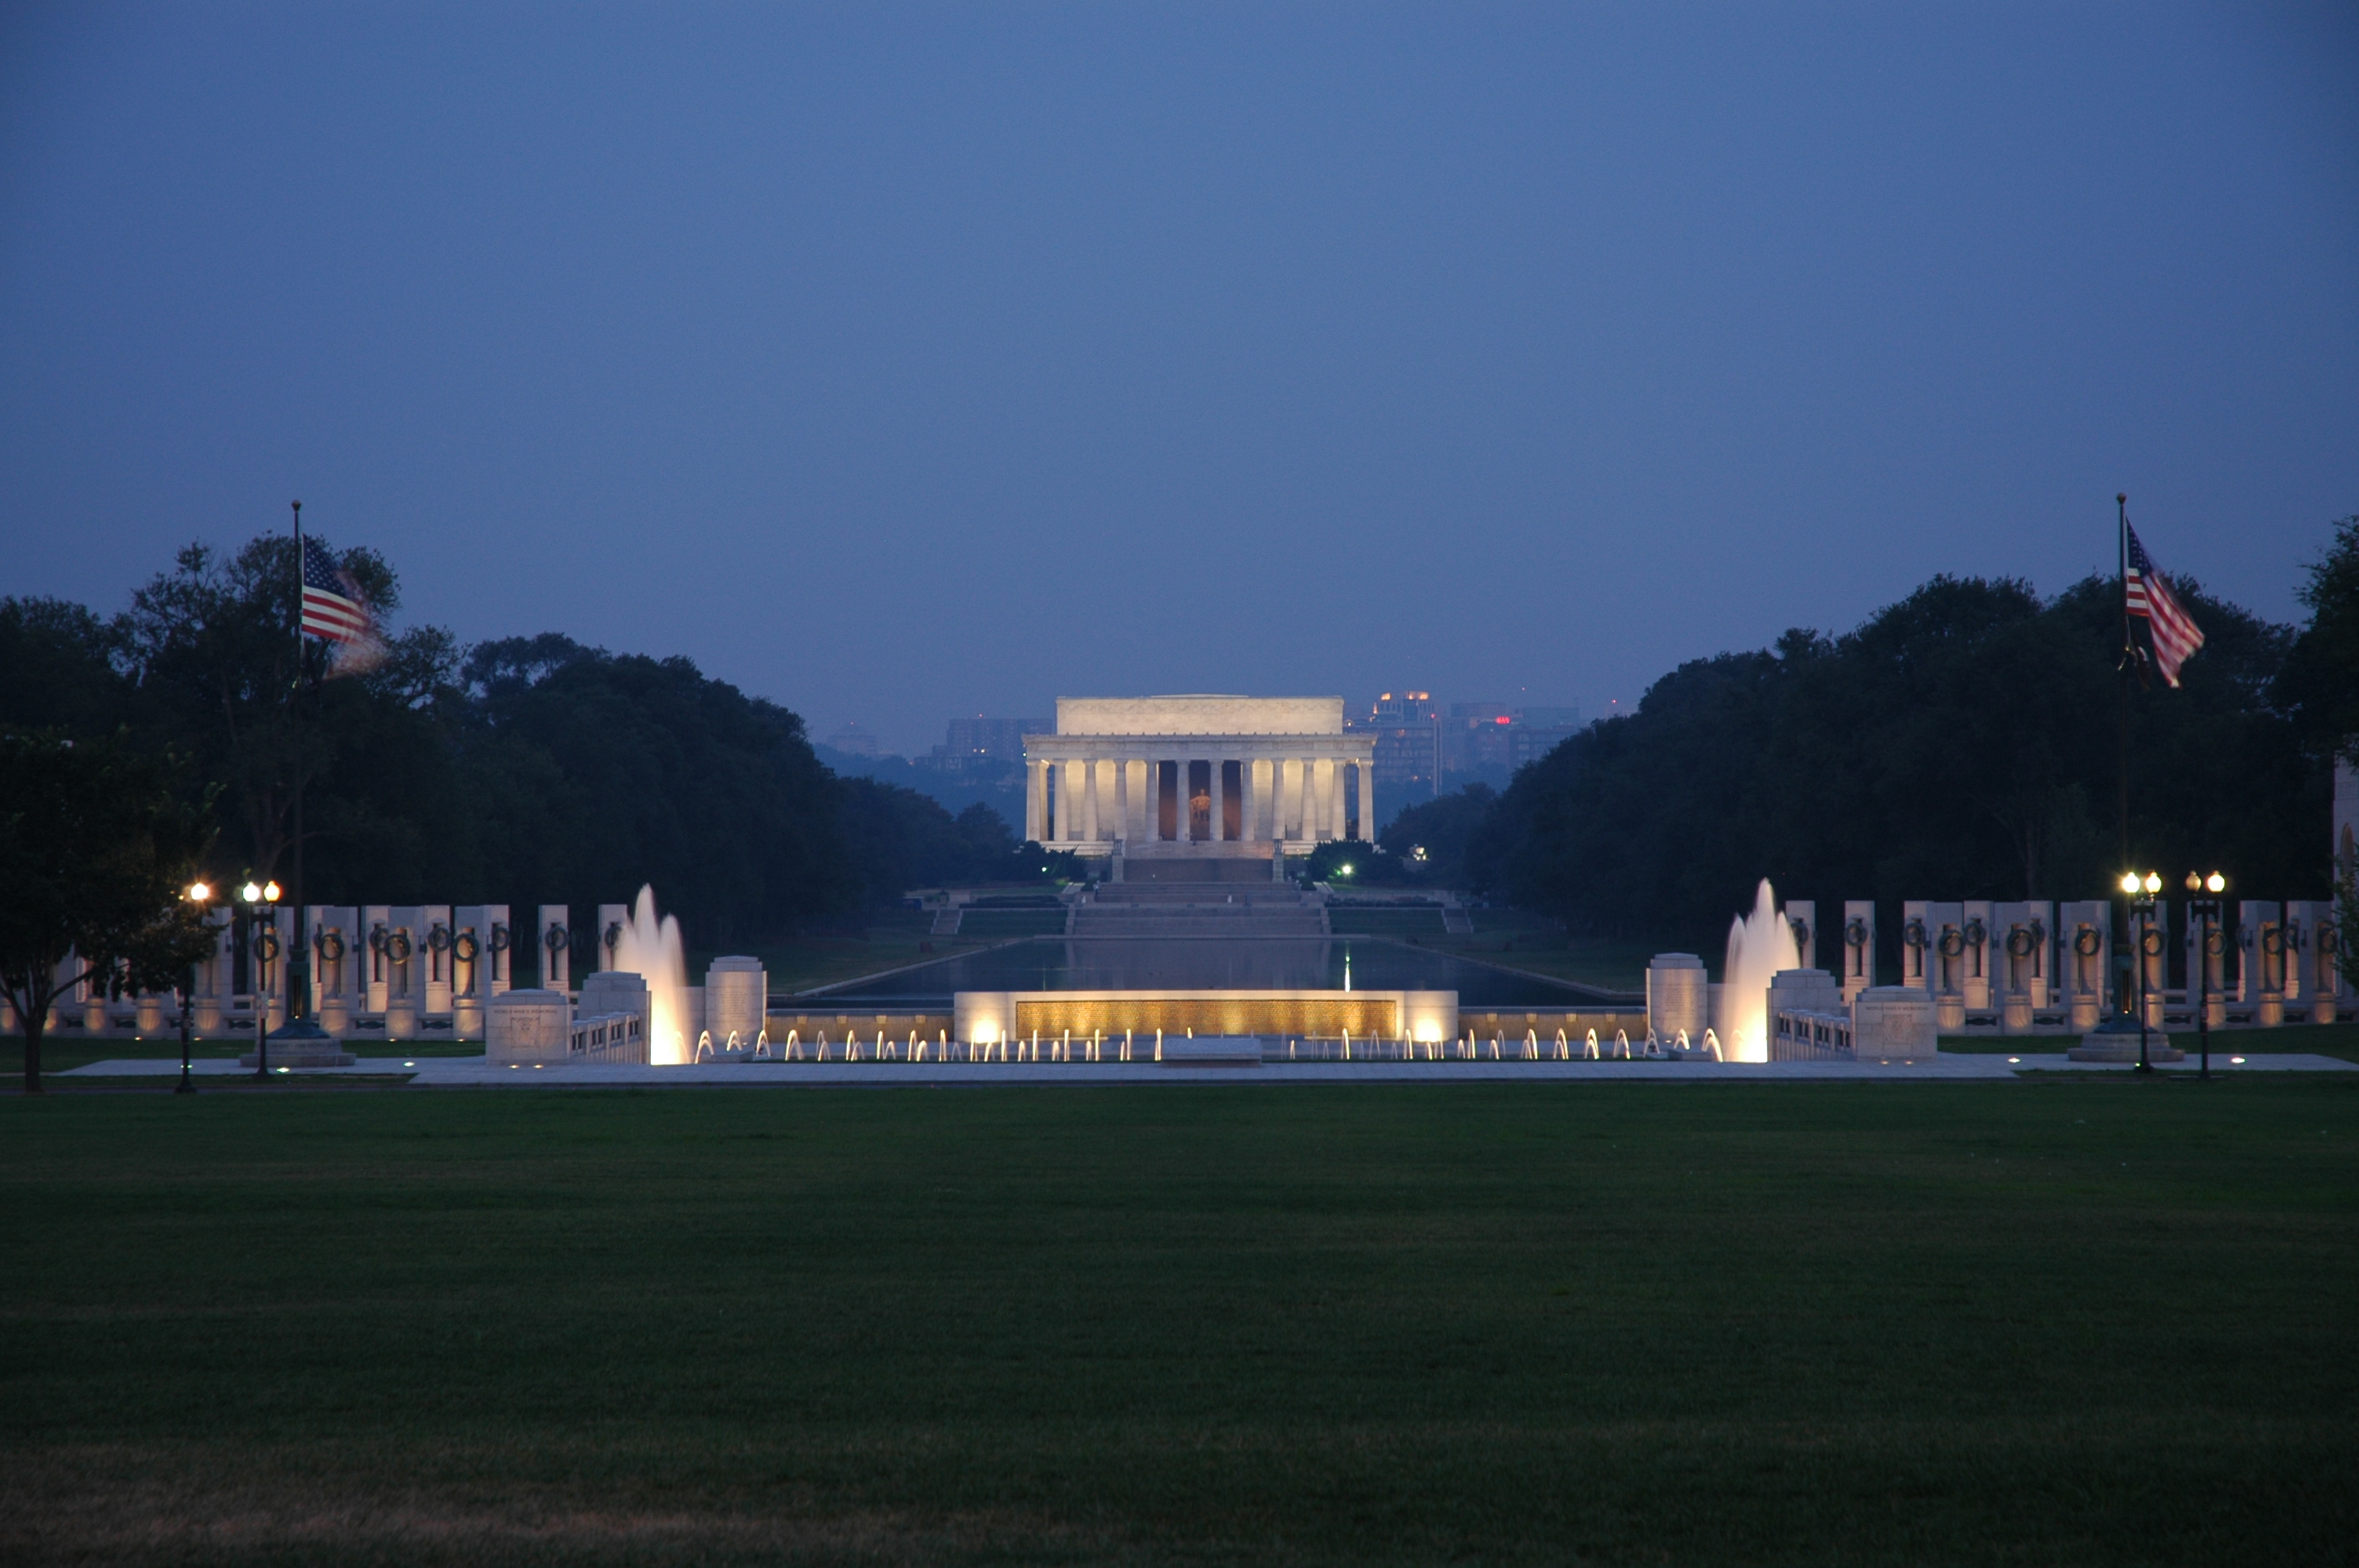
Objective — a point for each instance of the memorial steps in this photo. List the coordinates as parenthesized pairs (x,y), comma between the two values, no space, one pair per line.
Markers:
(1183,910)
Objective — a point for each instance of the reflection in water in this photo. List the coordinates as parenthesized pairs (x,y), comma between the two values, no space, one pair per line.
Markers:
(1268,964)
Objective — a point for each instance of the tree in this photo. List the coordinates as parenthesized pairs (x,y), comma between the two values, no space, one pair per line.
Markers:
(2320,683)
(2319,688)
(211,646)
(1429,839)
(1962,741)
(96,848)
(58,670)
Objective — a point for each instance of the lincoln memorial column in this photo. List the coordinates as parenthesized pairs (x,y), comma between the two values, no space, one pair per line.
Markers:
(1335,797)
(1297,804)
(1090,807)
(1122,798)
(1033,773)
(1249,810)
(1368,802)
(1217,821)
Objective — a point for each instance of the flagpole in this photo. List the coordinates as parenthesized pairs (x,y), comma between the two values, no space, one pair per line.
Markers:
(2129,656)
(2129,653)
(299,1024)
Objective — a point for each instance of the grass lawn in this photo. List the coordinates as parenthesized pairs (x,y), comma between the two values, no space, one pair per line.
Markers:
(1385,922)
(889,940)
(1614,966)
(2074,1320)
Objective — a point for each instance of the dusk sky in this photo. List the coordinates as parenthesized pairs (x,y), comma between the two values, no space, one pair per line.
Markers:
(898,361)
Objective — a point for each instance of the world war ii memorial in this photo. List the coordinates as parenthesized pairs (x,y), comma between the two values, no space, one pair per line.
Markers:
(1167,786)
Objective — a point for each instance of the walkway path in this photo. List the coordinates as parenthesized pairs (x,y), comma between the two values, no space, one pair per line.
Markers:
(454,1072)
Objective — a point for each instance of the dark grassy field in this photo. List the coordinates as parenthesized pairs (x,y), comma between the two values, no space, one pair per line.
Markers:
(2082,1320)
(886,939)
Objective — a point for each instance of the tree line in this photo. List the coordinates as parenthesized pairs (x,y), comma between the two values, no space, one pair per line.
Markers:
(1962,744)
(524,770)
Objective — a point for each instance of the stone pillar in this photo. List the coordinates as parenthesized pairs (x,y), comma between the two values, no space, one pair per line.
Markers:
(2153,949)
(1216,820)
(1801,917)
(556,960)
(2085,931)
(212,979)
(470,968)
(1331,798)
(405,973)
(1858,969)
(737,1001)
(1918,932)
(2310,969)
(1974,964)
(1089,801)
(1303,824)
(335,930)
(1068,824)
(1368,801)
(434,955)
(2253,964)
(1035,798)
(376,968)
(1121,800)
(499,950)
(1677,996)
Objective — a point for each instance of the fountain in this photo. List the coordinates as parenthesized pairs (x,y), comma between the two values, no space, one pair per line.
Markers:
(1760,945)
(651,948)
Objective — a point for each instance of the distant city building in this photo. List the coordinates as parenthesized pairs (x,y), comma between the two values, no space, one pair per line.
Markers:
(854,740)
(1537,731)
(980,740)
(1407,761)
(1420,742)
(1490,738)
(1474,738)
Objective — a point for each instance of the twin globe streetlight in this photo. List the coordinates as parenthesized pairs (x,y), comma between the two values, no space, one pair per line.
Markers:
(2141,890)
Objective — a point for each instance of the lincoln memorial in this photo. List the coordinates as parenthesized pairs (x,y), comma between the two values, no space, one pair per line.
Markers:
(1193,785)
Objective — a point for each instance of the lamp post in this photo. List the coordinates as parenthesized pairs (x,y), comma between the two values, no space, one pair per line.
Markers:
(201,895)
(2205,912)
(259,902)
(2141,890)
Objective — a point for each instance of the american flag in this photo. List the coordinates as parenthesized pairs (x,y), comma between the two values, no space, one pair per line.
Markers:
(333,605)
(2175,634)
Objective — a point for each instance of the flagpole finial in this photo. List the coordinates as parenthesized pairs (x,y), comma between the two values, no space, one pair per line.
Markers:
(2121,499)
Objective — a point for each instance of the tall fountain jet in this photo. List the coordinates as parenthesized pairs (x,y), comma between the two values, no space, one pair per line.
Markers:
(650,949)
(1760,945)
